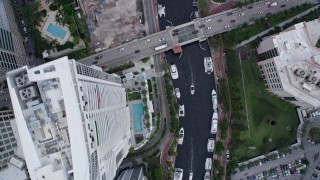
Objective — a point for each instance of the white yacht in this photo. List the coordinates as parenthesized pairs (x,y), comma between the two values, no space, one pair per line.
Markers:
(214,100)
(208,65)
(192,89)
(210,145)
(181,136)
(178,174)
(190,176)
(207,175)
(208,164)
(214,123)
(181,110)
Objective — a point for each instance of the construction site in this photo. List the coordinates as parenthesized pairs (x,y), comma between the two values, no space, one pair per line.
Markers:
(113,22)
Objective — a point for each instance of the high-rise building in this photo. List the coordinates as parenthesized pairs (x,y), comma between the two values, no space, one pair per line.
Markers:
(73,120)
(12,52)
(290,64)
(8,142)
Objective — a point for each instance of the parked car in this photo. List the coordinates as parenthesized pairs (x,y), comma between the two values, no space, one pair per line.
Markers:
(137,51)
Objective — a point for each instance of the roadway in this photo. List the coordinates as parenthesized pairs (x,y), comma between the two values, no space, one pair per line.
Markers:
(126,52)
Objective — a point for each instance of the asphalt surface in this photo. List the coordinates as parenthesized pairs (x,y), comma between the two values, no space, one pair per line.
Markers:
(183,11)
(198,107)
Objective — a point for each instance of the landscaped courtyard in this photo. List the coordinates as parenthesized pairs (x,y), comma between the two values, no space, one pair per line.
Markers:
(271,123)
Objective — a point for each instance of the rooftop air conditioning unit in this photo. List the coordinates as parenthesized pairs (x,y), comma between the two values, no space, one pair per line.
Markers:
(28,93)
(302,73)
(22,80)
(313,79)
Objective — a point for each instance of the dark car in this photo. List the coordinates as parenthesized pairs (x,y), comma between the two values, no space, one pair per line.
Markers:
(98,57)
(164,42)
(202,26)
(250,7)
(269,14)
(180,41)
(176,30)
(195,32)
(220,20)
(174,34)
(94,62)
(232,21)
(229,14)
(283,5)
(137,51)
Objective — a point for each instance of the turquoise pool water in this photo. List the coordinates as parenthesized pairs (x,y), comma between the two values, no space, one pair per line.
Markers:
(137,113)
(56,31)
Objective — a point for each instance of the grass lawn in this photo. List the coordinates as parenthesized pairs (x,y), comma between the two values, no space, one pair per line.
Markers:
(263,110)
(202,4)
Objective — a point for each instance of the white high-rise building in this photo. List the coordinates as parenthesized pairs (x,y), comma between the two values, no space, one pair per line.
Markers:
(73,120)
(290,64)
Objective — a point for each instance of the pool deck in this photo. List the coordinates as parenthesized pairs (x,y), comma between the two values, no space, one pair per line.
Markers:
(51,18)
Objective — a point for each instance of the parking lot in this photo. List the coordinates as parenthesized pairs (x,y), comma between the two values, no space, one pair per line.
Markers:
(287,166)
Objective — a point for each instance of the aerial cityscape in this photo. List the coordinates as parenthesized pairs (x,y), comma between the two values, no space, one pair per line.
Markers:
(159,90)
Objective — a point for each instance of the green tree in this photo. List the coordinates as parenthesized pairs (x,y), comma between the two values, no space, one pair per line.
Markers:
(219,147)
(143,92)
(136,83)
(143,83)
(142,69)
(145,60)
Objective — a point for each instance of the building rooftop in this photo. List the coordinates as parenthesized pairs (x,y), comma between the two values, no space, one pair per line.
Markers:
(298,63)
(72,119)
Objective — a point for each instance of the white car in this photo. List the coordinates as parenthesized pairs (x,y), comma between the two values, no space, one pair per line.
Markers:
(181,110)
(208,20)
(192,89)
(190,176)
(161,39)
(261,12)
(209,27)
(214,100)
(177,92)
(174,71)
(121,49)
(226,26)
(147,40)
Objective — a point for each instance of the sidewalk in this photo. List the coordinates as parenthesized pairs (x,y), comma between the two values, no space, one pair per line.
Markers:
(220,69)
(164,155)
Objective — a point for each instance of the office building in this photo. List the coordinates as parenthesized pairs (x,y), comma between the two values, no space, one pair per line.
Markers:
(73,120)
(8,142)
(12,52)
(290,64)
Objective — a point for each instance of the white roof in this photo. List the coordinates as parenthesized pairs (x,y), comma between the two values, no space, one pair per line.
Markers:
(16,162)
(296,47)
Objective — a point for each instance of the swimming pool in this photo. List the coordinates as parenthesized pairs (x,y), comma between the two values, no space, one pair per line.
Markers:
(137,113)
(56,31)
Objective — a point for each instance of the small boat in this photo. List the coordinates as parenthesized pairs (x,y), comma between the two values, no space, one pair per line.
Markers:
(192,89)
(208,65)
(214,123)
(181,136)
(181,110)
(214,100)
(208,164)
(207,175)
(210,145)
(178,174)
(190,176)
